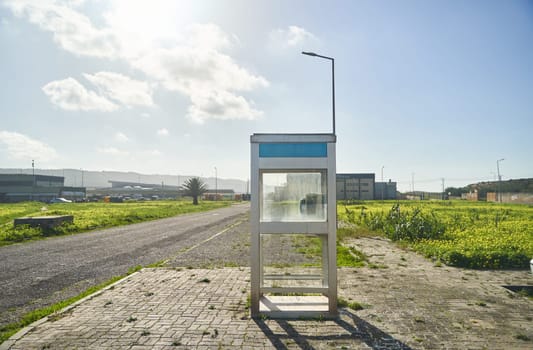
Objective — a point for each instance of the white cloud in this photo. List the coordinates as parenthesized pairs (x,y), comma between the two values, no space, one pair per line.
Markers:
(145,115)
(69,94)
(121,88)
(189,61)
(152,153)
(208,36)
(20,146)
(72,30)
(292,37)
(162,132)
(121,137)
(220,105)
(188,69)
(208,77)
(112,151)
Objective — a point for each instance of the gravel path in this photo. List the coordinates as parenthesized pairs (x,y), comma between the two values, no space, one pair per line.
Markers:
(232,248)
(40,273)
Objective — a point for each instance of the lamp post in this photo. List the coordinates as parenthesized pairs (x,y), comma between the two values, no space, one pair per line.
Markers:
(499,179)
(33,178)
(332,80)
(216,184)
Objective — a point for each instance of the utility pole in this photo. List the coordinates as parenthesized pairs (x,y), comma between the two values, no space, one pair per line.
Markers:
(216,184)
(499,179)
(443,195)
(413,183)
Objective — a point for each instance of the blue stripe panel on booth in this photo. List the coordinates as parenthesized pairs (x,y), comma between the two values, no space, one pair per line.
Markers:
(293,150)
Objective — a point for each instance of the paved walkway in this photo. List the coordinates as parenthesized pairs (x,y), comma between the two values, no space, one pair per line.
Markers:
(409,304)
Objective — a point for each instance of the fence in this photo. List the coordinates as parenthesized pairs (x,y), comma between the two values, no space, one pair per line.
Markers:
(525,198)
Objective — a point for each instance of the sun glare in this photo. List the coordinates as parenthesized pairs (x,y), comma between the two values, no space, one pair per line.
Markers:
(149,20)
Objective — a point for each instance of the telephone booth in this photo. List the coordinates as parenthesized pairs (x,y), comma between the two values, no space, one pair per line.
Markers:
(293,194)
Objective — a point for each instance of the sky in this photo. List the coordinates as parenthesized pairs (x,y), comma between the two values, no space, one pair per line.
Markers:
(425,90)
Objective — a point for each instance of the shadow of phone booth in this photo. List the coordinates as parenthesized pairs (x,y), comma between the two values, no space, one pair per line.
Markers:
(293,192)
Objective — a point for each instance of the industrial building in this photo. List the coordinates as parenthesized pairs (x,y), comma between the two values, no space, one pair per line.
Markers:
(123,190)
(355,186)
(362,186)
(385,190)
(44,188)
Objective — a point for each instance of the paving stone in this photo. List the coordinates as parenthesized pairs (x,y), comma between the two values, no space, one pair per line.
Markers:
(408,304)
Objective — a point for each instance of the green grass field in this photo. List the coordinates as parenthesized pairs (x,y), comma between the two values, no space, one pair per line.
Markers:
(90,216)
(458,233)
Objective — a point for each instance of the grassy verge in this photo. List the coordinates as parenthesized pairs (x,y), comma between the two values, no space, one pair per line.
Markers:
(457,233)
(12,328)
(90,216)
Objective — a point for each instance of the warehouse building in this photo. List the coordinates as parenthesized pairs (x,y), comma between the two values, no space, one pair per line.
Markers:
(355,186)
(28,187)
(385,190)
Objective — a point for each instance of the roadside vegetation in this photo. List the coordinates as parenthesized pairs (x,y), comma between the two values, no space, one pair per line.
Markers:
(90,216)
(465,234)
(194,188)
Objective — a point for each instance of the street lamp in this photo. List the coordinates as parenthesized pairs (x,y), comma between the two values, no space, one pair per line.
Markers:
(216,184)
(499,179)
(332,79)
(33,178)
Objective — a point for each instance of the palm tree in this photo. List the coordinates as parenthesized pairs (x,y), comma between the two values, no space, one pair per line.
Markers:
(194,187)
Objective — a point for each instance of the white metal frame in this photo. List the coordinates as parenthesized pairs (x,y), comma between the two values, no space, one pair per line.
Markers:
(326,230)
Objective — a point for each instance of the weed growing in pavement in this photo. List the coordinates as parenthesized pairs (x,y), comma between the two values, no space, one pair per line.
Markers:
(524,292)
(341,302)
(522,336)
(248,302)
(377,266)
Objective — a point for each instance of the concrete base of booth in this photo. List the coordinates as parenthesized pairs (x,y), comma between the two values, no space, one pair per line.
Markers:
(295,307)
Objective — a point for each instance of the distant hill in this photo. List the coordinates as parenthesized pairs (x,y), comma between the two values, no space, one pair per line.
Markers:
(100,179)
(512,186)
